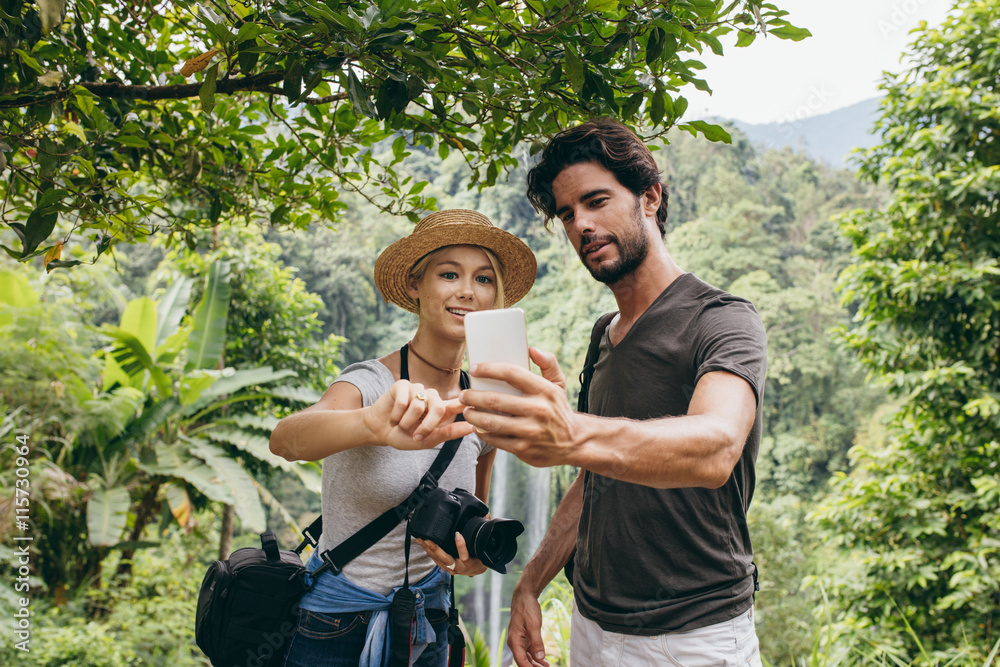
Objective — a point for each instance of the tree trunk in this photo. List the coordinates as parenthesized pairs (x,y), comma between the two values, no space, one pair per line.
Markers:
(142,516)
(226,533)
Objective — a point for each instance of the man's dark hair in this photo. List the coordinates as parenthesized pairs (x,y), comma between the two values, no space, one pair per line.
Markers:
(606,142)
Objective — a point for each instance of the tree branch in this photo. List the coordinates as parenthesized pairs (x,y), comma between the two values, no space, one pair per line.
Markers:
(254,82)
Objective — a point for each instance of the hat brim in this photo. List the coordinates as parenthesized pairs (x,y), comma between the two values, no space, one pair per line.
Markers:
(392,268)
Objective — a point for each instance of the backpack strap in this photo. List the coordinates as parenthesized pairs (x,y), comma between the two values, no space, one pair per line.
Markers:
(583,402)
(593,353)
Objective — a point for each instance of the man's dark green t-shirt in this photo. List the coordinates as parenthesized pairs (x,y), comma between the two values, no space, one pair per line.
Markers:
(650,561)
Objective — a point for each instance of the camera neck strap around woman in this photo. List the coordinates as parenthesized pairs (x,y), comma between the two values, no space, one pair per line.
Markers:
(403,608)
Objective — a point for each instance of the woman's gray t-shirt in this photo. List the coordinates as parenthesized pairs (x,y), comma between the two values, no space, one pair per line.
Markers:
(361,483)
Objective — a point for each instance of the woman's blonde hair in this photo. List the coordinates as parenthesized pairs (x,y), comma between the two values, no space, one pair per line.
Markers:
(420,268)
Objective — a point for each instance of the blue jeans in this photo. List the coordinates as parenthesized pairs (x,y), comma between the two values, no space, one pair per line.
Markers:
(337,640)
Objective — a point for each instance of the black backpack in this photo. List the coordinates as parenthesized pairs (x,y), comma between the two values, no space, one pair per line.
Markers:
(248,605)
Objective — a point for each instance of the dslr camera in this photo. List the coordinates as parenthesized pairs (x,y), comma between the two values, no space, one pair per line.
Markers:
(444,513)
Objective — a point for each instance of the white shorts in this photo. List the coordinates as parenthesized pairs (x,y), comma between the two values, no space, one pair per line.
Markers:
(732,643)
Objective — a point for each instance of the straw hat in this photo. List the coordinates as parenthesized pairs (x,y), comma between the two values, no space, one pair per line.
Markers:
(454,227)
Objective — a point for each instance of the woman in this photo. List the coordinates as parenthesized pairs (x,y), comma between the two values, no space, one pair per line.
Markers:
(378,431)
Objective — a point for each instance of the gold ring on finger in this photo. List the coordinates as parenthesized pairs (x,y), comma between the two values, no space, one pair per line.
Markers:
(421,396)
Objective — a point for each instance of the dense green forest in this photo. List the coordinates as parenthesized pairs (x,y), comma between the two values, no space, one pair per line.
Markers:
(146,383)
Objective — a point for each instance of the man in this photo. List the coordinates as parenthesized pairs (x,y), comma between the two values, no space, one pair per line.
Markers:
(656,521)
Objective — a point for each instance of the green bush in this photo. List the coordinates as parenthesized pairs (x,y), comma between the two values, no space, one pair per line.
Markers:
(147,622)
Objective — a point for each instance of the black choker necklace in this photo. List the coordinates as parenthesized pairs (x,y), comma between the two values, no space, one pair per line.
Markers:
(443,370)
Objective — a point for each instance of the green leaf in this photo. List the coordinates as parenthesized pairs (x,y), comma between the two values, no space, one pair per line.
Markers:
(37,228)
(52,13)
(654,45)
(230,384)
(107,513)
(680,106)
(146,426)
(790,32)
(194,384)
(132,357)
(16,291)
(265,423)
(573,69)
(712,42)
(389,8)
(254,444)
(74,129)
(208,338)
(705,9)
(392,96)
(29,61)
(140,319)
(711,132)
(657,107)
(359,96)
(248,31)
(170,310)
(278,214)
(131,140)
(176,461)
(304,395)
(247,58)
(291,85)
(246,500)
(207,91)
(745,38)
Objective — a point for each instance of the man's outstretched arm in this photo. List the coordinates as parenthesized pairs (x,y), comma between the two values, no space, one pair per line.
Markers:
(698,449)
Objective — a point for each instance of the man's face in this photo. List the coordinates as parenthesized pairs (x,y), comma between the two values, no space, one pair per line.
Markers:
(602,219)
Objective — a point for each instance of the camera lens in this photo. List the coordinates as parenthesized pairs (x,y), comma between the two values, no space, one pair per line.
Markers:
(492,541)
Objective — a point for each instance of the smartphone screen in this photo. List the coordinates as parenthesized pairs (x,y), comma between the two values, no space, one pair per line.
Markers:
(496,335)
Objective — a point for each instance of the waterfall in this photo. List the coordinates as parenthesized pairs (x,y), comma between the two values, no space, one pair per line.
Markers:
(498,508)
(538,508)
(479,601)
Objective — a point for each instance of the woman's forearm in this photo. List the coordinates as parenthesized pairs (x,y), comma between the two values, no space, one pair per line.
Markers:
(314,434)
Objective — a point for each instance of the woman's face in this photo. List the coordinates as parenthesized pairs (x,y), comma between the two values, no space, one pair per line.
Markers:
(459,279)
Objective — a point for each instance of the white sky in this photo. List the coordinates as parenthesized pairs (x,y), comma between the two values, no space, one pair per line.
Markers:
(777,80)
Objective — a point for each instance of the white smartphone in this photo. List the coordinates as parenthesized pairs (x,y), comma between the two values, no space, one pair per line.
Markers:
(496,335)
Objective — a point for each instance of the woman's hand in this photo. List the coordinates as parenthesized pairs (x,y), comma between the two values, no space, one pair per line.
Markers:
(464,564)
(408,416)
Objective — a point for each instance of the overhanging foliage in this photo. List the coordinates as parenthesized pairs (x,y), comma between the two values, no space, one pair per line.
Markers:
(120,120)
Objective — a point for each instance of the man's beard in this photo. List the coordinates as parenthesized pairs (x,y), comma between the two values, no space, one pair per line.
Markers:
(633,246)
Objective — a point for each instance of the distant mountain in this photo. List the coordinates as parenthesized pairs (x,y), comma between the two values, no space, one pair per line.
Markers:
(829,137)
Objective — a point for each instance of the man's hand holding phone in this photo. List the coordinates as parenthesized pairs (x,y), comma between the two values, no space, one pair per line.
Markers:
(521,412)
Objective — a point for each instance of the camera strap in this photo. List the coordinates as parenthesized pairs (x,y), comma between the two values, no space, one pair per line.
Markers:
(336,558)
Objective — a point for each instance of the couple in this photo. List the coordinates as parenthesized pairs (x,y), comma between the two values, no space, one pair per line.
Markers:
(654,526)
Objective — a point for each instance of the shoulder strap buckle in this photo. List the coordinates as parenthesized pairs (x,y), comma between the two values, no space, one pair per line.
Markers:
(328,564)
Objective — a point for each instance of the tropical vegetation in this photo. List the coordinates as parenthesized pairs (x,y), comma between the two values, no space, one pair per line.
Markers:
(203,293)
